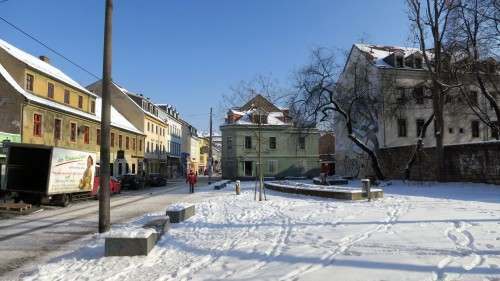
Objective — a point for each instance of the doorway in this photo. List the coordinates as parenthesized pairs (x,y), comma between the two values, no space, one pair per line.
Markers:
(248,169)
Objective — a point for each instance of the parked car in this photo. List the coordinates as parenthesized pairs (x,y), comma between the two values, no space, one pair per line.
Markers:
(114,185)
(131,181)
(156,180)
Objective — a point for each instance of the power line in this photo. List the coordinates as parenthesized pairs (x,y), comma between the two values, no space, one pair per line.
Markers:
(46,46)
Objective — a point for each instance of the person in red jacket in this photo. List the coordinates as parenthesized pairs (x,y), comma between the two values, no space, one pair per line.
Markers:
(191,179)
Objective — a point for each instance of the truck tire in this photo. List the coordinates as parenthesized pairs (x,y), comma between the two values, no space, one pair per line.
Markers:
(65,199)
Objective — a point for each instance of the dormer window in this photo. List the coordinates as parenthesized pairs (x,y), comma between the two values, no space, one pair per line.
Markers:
(399,61)
(418,62)
(409,61)
(259,118)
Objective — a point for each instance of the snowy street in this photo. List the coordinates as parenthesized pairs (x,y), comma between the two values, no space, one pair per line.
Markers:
(33,239)
(416,232)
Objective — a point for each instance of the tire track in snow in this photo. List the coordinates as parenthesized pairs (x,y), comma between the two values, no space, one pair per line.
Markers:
(464,244)
(277,246)
(393,214)
(194,266)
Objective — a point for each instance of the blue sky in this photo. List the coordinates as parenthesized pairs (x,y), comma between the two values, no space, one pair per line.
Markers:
(188,53)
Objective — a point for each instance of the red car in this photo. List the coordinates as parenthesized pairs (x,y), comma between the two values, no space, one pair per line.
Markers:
(114,184)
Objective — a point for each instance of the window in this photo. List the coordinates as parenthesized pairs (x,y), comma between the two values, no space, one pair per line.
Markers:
(66,96)
(133,168)
(475,129)
(80,102)
(419,95)
(86,135)
(494,132)
(272,142)
(248,142)
(133,144)
(272,166)
(30,80)
(420,126)
(147,147)
(112,139)
(57,129)
(450,130)
(399,61)
(148,127)
(418,62)
(229,141)
(72,136)
(401,95)
(98,137)
(473,98)
(302,142)
(401,128)
(37,125)
(50,90)
(92,106)
(120,141)
(127,143)
(461,130)
(140,145)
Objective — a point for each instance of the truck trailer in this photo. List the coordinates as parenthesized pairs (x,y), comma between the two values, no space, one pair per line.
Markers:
(45,174)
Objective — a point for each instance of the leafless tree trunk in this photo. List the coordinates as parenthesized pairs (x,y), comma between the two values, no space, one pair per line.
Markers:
(474,39)
(320,97)
(430,19)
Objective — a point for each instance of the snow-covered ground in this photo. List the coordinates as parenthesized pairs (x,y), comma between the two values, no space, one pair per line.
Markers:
(417,232)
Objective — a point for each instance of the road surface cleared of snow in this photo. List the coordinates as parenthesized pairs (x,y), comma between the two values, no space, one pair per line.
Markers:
(417,232)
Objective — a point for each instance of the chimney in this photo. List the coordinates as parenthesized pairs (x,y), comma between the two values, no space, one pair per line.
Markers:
(45,59)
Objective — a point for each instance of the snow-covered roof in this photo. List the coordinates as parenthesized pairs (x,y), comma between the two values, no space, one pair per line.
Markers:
(117,119)
(272,118)
(127,92)
(42,66)
(379,52)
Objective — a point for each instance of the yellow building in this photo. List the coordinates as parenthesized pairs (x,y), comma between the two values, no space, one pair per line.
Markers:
(45,106)
(143,114)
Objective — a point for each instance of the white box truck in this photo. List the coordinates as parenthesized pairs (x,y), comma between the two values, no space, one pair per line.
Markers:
(39,174)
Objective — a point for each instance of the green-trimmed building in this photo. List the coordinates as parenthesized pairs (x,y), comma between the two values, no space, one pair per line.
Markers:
(286,150)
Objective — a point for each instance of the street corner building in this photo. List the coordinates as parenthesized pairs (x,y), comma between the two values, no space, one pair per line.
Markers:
(42,105)
(287,150)
(397,78)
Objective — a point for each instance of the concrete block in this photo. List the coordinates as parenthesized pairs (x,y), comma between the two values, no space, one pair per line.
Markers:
(136,246)
(177,216)
(160,224)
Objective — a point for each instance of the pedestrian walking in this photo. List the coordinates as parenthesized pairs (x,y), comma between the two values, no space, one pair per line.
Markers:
(191,179)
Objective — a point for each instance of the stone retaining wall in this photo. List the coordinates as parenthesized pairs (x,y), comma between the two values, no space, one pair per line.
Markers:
(477,162)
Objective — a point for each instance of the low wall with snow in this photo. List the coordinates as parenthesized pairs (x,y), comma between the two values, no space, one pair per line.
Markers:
(474,162)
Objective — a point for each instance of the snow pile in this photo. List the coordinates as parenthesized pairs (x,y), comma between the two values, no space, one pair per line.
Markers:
(130,232)
(300,185)
(416,232)
(179,206)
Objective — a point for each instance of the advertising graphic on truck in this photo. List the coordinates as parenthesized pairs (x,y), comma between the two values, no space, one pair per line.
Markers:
(71,171)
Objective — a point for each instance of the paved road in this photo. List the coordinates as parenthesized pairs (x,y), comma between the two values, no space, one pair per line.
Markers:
(33,239)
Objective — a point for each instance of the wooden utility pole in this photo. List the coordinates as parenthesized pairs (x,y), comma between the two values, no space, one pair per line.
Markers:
(261,176)
(210,155)
(104,209)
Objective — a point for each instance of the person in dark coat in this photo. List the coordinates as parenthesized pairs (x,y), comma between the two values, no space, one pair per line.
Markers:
(191,179)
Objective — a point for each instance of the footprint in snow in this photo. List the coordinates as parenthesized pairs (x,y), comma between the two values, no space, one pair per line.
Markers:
(489,246)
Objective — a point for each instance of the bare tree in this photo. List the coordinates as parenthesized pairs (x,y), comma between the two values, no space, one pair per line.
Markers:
(473,43)
(430,20)
(243,91)
(352,105)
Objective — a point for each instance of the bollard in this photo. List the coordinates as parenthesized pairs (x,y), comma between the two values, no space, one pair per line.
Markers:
(237,185)
(367,188)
